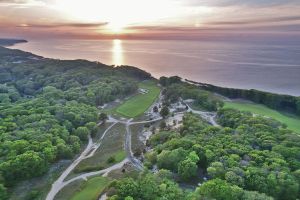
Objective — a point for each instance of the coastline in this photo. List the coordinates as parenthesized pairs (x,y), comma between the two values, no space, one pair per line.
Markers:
(222,77)
(235,65)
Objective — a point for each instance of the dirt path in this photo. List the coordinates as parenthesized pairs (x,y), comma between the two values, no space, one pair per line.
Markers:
(136,163)
(103,172)
(145,122)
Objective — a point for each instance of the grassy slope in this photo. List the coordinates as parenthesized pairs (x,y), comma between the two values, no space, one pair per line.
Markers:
(139,103)
(293,122)
(92,189)
(112,145)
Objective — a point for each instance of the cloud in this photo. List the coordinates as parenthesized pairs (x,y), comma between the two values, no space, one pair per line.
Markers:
(14,1)
(258,21)
(59,25)
(18,1)
(24,1)
(225,3)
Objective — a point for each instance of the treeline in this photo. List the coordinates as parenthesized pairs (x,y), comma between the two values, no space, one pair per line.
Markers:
(252,157)
(48,109)
(133,72)
(279,102)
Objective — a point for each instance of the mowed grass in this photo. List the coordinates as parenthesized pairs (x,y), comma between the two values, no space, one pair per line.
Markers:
(139,103)
(92,189)
(292,121)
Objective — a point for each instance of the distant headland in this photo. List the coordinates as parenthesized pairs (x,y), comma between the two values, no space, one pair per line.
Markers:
(10,42)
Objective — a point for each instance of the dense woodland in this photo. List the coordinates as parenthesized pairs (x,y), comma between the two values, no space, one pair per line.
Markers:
(279,102)
(251,158)
(48,107)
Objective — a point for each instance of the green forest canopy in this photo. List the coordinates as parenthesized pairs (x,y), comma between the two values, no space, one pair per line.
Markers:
(48,107)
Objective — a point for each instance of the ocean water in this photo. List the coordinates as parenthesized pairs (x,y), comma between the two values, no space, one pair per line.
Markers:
(273,67)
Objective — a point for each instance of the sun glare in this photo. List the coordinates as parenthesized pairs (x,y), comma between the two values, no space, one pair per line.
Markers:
(117,52)
(117,13)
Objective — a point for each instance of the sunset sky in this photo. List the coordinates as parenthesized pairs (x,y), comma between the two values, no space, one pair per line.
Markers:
(160,19)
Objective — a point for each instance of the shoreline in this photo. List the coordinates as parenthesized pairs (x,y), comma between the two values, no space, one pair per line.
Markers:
(157,76)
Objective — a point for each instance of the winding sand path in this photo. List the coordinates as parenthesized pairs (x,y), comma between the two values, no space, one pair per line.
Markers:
(90,150)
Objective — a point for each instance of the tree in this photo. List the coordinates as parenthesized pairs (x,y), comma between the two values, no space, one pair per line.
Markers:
(155,109)
(3,193)
(103,117)
(298,106)
(163,81)
(170,159)
(129,198)
(82,132)
(127,187)
(234,179)
(193,156)
(63,150)
(216,170)
(162,125)
(253,195)
(23,166)
(164,111)
(50,92)
(75,143)
(164,174)
(219,190)
(92,126)
(148,187)
(170,191)
(187,169)
(50,153)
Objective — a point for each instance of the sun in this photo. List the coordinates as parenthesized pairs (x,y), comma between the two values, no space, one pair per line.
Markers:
(115,27)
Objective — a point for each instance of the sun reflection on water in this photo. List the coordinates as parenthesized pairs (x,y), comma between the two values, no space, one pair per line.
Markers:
(117,52)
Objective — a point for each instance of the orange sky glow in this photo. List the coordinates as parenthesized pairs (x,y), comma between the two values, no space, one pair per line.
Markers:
(159,19)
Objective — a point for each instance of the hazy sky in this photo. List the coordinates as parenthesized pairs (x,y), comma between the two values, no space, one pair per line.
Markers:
(149,18)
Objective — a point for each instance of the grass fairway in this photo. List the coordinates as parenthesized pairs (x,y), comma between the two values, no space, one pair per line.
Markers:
(293,122)
(92,189)
(139,103)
